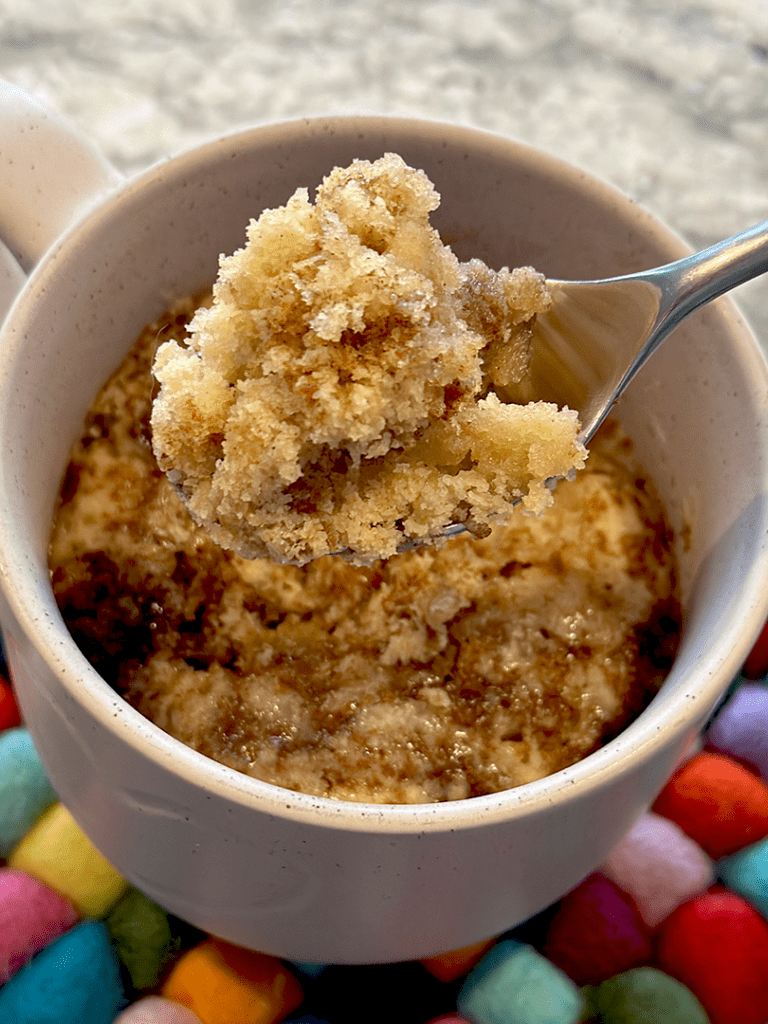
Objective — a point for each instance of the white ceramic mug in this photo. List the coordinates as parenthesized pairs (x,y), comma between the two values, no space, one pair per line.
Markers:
(305,878)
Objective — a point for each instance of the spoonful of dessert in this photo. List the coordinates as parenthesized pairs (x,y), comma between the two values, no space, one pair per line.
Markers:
(350,387)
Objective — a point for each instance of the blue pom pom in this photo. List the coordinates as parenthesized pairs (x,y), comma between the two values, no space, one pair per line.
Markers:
(746,873)
(74,980)
(25,791)
(513,984)
(311,970)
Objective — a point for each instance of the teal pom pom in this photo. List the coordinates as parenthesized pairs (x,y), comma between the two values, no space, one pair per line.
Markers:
(25,791)
(746,873)
(74,980)
(513,984)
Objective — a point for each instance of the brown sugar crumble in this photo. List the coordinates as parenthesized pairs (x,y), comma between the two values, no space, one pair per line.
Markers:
(437,674)
(342,391)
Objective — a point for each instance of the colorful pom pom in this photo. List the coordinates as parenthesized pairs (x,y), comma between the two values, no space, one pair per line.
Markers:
(31,917)
(659,866)
(718,803)
(741,728)
(756,663)
(9,709)
(74,980)
(597,932)
(310,970)
(224,984)
(449,966)
(513,984)
(57,852)
(746,873)
(156,1010)
(646,995)
(25,791)
(142,937)
(717,945)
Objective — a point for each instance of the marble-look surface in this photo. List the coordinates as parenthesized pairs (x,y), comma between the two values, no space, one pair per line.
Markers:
(667,101)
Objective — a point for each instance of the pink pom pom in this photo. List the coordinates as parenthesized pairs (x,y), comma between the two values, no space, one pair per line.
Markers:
(659,866)
(156,1010)
(31,916)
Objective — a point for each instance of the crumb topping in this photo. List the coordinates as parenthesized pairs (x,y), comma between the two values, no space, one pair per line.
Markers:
(438,674)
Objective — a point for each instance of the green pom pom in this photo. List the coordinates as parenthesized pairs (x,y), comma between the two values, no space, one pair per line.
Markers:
(647,994)
(591,1012)
(142,937)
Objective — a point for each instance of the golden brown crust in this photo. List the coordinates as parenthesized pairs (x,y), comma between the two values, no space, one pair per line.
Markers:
(436,675)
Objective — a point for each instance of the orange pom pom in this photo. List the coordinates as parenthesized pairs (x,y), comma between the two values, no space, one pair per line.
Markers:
(224,984)
(718,803)
(449,966)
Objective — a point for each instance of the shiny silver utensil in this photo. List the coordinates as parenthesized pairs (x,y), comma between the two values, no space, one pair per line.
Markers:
(597,334)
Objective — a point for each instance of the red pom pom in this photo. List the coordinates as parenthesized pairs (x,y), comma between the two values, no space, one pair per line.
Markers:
(720,805)
(756,664)
(596,933)
(9,709)
(717,945)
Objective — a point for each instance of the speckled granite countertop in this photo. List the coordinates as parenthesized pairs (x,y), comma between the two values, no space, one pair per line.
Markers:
(667,101)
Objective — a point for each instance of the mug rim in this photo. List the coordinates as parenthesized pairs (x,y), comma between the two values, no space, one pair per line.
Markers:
(38,617)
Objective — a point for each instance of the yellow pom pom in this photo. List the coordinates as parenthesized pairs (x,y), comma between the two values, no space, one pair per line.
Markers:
(58,853)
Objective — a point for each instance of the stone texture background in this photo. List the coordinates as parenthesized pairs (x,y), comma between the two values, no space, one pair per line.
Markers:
(668,101)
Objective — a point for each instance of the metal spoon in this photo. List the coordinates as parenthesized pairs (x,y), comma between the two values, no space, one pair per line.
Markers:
(596,335)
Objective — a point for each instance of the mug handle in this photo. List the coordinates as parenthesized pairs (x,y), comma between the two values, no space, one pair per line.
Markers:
(49,176)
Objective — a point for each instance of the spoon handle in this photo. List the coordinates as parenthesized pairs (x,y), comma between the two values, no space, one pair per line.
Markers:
(598,334)
(694,280)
